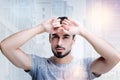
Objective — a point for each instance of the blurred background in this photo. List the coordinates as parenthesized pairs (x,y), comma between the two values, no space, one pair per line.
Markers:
(101,17)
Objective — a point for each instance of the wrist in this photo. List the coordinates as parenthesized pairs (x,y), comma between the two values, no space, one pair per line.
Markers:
(83,32)
(40,28)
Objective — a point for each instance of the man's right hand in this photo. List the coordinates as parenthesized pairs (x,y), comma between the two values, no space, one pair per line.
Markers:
(51,25)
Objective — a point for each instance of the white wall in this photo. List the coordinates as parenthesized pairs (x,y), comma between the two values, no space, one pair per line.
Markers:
(20,14)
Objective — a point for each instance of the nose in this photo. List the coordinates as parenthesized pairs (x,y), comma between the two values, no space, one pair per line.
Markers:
(60,42)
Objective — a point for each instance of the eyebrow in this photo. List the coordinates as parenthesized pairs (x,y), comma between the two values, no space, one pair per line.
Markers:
(54,35)
(63,35)
(66,35)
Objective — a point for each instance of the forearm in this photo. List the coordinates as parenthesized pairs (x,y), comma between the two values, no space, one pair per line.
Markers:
(18,39)
(101,46)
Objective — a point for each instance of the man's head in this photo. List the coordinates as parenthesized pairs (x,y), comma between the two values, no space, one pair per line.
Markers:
(61,42)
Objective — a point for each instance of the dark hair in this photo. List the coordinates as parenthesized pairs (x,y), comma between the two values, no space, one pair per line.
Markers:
(62,18)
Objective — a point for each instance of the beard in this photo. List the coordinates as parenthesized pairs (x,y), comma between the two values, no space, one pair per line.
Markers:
(59,54)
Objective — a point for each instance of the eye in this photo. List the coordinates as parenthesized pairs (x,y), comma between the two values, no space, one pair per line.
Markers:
(65,37)
(55,37)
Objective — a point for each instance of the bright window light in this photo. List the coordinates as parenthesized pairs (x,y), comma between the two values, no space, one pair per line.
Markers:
(100,16)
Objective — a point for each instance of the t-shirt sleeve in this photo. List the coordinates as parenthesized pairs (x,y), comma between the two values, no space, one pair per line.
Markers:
(37,62)
(88,62)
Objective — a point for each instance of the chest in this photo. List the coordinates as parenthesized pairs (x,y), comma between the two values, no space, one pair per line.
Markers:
(65,73)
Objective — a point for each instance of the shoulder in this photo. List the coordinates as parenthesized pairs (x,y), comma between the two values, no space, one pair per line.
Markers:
(37,59)
(88,61)
(84,61)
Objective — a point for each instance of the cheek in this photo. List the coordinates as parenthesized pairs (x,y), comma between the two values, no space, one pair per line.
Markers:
(53,44)
(69,44)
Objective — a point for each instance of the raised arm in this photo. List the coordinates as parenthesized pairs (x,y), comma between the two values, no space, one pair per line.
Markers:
(109,56)
(10,47)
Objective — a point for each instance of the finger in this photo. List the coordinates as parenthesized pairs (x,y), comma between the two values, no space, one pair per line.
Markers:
(66,27)
(54,30)
(57,30)
(67,21)
(57,24)
(74,21)
(56,20)
(53,19)
(65,31)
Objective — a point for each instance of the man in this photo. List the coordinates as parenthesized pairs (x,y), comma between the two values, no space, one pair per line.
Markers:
(61,66)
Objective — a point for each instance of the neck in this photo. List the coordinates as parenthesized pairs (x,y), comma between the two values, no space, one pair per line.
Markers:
(63,60)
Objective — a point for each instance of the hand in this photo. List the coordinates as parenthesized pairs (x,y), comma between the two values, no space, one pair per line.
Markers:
(51,25)
(72,27)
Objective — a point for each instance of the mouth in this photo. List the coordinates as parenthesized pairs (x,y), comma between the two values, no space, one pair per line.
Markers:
(59,49)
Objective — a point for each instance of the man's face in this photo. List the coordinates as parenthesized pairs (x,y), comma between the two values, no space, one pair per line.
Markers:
(61,44)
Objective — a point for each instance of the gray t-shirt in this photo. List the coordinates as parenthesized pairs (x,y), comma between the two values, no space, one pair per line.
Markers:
(47,69)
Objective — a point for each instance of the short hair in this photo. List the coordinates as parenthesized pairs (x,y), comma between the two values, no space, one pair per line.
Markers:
(62,18)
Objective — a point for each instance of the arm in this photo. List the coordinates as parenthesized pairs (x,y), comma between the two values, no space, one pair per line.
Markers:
(109,56)
(10,47)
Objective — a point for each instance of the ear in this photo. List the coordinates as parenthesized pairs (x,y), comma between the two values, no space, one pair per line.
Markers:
(49,38)
(74,39)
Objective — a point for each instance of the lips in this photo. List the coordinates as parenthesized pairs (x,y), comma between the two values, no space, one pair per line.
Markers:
(59,49)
